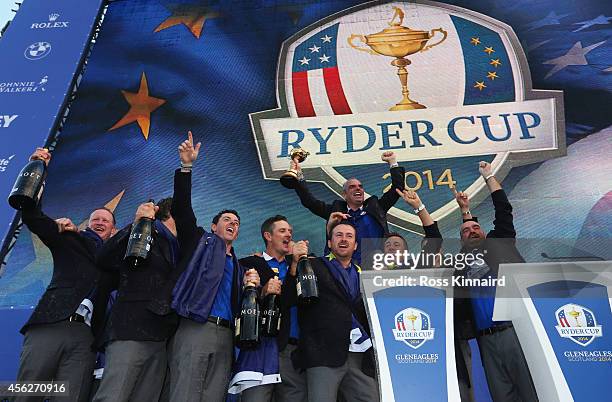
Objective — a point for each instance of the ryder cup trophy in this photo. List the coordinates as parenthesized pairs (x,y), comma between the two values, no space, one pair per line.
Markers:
(290,178)
(399,41)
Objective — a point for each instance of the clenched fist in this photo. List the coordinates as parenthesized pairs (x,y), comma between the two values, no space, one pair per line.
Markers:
(389,157)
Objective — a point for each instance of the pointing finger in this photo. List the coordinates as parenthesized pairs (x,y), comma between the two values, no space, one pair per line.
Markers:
(190,137)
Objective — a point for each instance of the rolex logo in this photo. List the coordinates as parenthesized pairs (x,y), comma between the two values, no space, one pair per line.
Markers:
(51,24)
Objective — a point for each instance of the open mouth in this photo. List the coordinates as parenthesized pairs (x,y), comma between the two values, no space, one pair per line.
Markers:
(98,229)
(357,194)
(230,230)
(343,245)
(286,242)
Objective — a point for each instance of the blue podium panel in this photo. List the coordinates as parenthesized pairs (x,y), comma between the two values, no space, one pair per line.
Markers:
(412,332)
(575,315)
(413,325)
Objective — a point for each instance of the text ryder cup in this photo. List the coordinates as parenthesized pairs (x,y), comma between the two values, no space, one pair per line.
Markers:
(412,133)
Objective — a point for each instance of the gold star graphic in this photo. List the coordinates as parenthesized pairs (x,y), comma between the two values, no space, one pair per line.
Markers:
(193,16)
(141,107)
(475,41)
(480,85)
(492,75)
(489,50)
(495,63)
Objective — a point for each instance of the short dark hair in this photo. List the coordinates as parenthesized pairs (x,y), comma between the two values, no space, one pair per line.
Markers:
(395,234)
(165,206)
(342,222)
(107,210)
(268,224)
(225,211)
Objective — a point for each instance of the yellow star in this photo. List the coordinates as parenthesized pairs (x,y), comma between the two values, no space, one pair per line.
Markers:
(495,63)
(489,50)
(141,107)
(492,75)
(193,16)
(475,41)
(480,85)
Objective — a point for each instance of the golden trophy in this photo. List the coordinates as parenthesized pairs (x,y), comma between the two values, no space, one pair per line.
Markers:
(575,314)
(399,41)
(290,178)
(412,318)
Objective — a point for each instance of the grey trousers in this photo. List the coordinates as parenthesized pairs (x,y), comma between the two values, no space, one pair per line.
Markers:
(135,371)
(292,387)
(60,352)
(505,367)
(326,384)
(200,359)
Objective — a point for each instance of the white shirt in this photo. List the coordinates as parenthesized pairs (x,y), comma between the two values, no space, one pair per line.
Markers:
(86,310)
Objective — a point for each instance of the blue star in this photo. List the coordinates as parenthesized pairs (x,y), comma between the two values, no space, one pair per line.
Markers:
(551,19)
(599,20)
(576,56)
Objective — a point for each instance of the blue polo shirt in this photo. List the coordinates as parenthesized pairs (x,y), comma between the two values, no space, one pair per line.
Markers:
(482,297)
(222,306)
(281,268)
(367,227)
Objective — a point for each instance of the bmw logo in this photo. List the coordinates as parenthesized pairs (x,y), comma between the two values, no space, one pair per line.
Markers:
(37,50)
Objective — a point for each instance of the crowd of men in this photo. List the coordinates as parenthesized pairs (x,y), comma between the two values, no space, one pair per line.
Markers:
(165,331)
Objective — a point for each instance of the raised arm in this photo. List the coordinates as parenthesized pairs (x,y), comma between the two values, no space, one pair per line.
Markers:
(40,224)
(412,199)
(432,242)
(317,207)
(503,225)
(182,211)
(289,290)
(389,198)
(463,201)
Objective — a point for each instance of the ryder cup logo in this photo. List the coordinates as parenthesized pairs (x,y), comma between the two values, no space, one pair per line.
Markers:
(434,83)
(578,324)
(37,51)
(413,327)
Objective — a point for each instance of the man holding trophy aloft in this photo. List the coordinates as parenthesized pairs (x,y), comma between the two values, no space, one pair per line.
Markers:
(369,216)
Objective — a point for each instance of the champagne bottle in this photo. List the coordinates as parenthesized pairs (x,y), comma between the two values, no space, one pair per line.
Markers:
(140,242)
(28,187)
(247,323)
(307,289)
(271,317)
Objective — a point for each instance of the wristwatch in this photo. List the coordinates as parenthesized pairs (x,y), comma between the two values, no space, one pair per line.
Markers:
(419,209)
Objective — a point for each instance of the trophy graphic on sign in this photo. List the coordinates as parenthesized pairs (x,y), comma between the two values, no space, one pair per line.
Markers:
(412,319)
(399,41)
(575,314)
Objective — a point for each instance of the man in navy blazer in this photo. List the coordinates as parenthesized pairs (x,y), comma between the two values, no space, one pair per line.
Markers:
(206,296)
